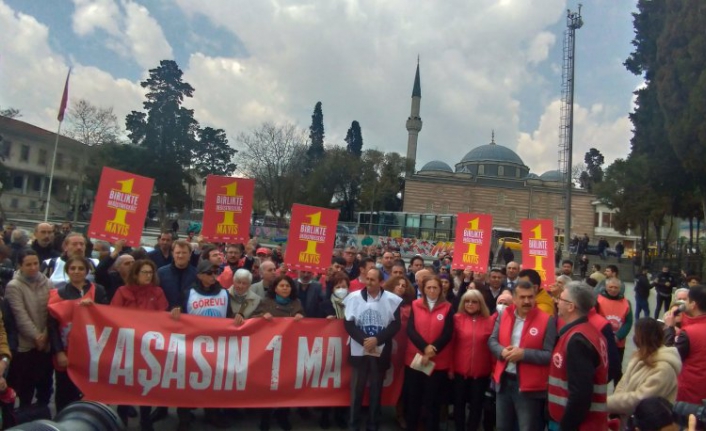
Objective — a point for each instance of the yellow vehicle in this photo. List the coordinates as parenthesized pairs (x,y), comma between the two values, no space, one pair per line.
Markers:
(510,242)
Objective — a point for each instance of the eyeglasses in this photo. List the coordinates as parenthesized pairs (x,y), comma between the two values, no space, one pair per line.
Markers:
(565,300)
(146,272)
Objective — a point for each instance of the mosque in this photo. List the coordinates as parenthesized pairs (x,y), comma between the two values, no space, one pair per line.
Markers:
(491,179)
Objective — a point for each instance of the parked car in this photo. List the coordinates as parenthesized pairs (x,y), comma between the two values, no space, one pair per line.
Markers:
(510,242)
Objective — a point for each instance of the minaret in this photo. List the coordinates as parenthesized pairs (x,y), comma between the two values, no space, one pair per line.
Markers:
(414,123)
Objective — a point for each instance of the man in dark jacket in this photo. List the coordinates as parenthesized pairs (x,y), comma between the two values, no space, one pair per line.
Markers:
(177,277)
(162,254)
(664,285)
(43,242)
(642,293)
(311,294)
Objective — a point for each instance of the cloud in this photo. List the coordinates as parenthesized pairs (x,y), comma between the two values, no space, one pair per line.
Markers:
(37,74)
(132,32)
(593,128)
(539,48)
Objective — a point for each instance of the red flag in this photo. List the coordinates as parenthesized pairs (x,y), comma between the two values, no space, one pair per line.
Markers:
(64,99)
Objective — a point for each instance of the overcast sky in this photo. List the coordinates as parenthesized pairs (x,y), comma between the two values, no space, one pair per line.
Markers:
(485,64)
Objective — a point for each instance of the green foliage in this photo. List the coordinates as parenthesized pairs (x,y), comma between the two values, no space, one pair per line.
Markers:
(354,139)
(316,150)
(382,181)
(213,155)
(594,169)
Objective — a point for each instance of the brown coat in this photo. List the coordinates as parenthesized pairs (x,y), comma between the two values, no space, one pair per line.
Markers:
(28,302)
(269,305)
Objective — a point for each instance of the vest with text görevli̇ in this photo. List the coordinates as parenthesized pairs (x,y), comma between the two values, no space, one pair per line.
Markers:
(597,417)
(430,325)
(532,377)
(692,379)
(208,305)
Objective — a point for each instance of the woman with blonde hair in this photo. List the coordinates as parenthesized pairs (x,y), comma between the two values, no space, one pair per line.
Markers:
(651,372)
(472,362)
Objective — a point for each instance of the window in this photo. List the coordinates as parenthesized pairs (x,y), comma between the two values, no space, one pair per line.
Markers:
(445,208)
(5,148)
(501,171)
(430,207)
(59,161)
(607,220)
(513,216)
(501,198)
(37,184)
(74,167)
(17,182)
(42,157)
(481,169)
(595,219)
(32,205)
(517,172)
(14,203)
(24,153)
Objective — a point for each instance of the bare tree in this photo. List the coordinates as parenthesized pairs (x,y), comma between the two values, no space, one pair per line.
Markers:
(92,125)
(274,155)
(10,112)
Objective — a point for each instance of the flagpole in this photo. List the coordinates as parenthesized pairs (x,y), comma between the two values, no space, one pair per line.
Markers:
(51,175)
(60,118)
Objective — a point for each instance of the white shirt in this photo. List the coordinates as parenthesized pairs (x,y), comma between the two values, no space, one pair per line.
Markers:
(515,341)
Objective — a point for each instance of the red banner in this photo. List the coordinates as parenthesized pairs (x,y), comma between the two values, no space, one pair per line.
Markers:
(473,241)
(134,357)
(120,207)
(227,209)
(538,248)
(312,233)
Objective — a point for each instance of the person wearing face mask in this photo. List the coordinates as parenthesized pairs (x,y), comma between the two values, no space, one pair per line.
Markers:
(430,329)
(243,301)
(503,301)
(310,293)
(472,361)
(87,293)
(27,295)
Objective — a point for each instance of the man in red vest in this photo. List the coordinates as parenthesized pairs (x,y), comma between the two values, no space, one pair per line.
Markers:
(522,340)
(691,343)
(578,376)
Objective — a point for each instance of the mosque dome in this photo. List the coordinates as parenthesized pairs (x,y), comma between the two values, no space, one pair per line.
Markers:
(552,176)
(436,165)
(532,176)
(492,153)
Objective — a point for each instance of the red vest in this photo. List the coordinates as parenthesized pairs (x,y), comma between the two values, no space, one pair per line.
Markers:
(615,311)
(65,327)
(597,417)
(471,354)
(692,379)
(531,377)
(430,324)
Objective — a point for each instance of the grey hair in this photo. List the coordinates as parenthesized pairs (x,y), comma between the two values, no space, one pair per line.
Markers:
(242,275)
(105,244)
(564,278)
(19,236)
(680,290)
(614,281)
(581,295)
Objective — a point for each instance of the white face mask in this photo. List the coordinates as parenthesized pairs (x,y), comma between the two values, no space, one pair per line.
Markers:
(500,308)
(341,293)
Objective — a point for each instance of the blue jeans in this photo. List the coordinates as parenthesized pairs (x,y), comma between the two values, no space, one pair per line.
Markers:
(513,409)
(641,304)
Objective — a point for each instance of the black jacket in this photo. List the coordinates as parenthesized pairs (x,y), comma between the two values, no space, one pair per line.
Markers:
(68,292)
(642,286)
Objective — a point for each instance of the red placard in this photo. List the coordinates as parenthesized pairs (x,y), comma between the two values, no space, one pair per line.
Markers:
(312,233)
(473,241)
(136,357)
(120,207)
(227,209)
(538,248)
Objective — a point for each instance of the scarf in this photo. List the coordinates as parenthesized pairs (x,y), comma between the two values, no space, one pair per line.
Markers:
(338,306)
(282,301)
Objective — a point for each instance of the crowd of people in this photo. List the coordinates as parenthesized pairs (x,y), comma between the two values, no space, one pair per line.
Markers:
(496,350)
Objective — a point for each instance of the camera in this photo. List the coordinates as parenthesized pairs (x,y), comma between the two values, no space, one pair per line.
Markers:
(682,411)
(680,310)
(78,416)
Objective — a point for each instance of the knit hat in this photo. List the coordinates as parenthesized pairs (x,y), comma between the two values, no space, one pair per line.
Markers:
(652,414)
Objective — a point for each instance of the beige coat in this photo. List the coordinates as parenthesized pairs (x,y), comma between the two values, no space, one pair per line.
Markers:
(640,382)
(28,303)
(252,301)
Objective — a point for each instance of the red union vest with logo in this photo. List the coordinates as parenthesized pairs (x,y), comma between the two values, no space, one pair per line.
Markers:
(65,328)
(692,379)
(615,311)
(532,377)
(597,417)
(430,324)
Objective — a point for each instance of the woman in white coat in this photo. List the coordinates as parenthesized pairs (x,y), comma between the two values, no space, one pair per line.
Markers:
(651,372)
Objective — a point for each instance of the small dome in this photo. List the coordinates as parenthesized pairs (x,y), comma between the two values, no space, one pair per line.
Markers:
(492,153)
(532,176)
(552,176)
(437,165)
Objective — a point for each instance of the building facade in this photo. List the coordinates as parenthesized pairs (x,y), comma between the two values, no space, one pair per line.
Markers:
(27,153)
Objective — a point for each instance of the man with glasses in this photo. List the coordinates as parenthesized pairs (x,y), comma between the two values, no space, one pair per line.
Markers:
(578,375)
(352,267)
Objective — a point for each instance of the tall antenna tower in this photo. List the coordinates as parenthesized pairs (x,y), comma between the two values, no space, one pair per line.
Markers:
(566,129)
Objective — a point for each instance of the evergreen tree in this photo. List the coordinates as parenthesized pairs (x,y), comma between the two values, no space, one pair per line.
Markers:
(354,139)
(316,151)
(213,155)
(168,133)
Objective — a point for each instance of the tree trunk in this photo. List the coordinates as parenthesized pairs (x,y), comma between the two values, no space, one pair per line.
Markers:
(162,202)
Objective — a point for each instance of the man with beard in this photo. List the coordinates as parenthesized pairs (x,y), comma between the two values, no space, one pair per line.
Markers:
(234,261)
(74,245)
(162,255)
(43,242)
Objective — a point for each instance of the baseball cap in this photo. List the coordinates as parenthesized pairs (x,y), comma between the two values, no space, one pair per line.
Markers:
(205,266)
(263,250)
